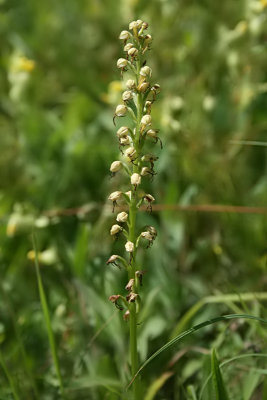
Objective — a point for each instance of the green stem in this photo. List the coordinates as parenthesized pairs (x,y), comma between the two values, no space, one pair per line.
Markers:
(47,320)
(132,238)
(9,378)
(133,348)
(133,325)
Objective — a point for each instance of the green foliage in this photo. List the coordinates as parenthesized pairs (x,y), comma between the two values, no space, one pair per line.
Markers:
(57,142)
(220,389)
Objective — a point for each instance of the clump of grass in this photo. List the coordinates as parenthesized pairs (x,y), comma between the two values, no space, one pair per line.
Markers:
(138,164)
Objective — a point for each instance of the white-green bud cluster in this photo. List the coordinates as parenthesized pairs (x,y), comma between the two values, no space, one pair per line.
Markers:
(134,137)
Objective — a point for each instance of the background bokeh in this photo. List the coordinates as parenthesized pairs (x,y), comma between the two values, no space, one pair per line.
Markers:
(59,86)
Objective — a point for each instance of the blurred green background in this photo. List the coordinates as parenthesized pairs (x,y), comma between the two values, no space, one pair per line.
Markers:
(59,86)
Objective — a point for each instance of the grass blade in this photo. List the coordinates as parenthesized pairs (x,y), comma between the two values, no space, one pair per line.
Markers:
(191,331)
(230,360)
(220,389)
(9,378)
(220,298)
(156,385)
(45,309)
(191,392)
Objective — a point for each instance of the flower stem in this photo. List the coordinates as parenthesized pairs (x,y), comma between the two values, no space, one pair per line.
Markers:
(133,322)
(133,349)
(132,238)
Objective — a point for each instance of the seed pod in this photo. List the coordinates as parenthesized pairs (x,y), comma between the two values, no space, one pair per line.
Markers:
(122,63)
(122,217)
(115,166)
(129,246)
(115,229)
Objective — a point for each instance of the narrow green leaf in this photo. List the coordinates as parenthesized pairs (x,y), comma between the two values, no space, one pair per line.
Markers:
(191,331)
(156,385)
(9,378)
(191,392)
(220,389)
(257,355)
(48,324)
(220,298)
(81,250)
(252,381)
(264,394)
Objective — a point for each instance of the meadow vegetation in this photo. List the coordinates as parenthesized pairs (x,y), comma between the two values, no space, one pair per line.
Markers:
(60,337)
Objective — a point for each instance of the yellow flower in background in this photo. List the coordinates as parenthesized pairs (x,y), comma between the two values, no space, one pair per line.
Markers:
(46,257)
(19,223)
(20,68)
(26,64)
(263,3)
(23,64)
(115,86)
(114,92)
(217,249)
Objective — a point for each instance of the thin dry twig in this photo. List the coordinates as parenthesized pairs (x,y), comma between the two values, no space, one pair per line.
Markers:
(213,208)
